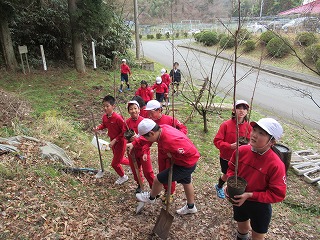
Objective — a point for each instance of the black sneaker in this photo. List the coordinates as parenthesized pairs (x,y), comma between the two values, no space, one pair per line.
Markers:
(138,189)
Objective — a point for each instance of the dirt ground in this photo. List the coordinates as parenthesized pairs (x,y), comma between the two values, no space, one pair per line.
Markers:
(38,205)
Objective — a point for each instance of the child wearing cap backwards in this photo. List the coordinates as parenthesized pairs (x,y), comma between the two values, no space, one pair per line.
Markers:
(145,92)
(141,154)
(265,174)
(226,139)
(161,89)
(155,113)
(183,154)
(125,71)
(115,124)
(167,80)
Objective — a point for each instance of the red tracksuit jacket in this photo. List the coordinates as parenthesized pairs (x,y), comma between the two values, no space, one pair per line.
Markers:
(160,88)
(183,151)
(265,174)
(226,135)
(173,122)
(166,79)
(145,93)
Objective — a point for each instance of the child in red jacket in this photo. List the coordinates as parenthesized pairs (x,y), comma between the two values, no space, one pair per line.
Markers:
(226,139)
(155,113)
(161,89)
(265,174)
(145,92)
(125,72)
(181,152)
(114,123)
(140,154)
(167,80)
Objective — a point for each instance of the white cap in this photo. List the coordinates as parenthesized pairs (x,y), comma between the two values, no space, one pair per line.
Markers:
(271,126)
(158,80)
(145,126)
(239,102)
(133,102)
(153,104)
(163,71)
(123,60)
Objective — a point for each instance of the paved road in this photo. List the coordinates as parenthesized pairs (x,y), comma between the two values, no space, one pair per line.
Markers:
(275,101)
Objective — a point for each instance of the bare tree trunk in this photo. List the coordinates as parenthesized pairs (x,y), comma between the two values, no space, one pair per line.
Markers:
(76,42)
(7,47)
(205,121)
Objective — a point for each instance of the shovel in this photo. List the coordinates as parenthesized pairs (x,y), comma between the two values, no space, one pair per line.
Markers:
(100,172)
(136,168)
(165,219)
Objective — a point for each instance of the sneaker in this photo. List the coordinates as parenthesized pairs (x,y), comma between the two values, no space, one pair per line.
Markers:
(220,192)
(128,89)
(185,210)
(120,90)
(164,199)
(121,180)
(138,189)
(144,197)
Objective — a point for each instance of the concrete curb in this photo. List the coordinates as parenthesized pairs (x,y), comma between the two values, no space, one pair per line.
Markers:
(305,78)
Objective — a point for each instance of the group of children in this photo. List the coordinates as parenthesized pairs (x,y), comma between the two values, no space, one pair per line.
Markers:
(250,145)
(160,87)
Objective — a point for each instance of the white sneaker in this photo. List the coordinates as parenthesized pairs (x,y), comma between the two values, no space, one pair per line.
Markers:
(144,197)
(121,180)
(185,210)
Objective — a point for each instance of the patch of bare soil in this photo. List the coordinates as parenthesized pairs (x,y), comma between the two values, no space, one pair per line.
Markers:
(12,108)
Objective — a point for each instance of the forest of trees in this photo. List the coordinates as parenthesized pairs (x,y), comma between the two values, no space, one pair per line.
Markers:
(67,28)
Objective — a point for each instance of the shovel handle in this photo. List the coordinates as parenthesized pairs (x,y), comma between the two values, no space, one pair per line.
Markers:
(96,135)
(169,185)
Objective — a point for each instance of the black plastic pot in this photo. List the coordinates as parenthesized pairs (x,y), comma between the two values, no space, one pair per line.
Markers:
(235,187)
(284,153)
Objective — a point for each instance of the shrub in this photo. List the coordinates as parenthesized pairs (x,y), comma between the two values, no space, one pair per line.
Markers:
(150,36)
(318,65)
(221,35)
(198,36)
(306,38)
(243,35)
(185,34)
(167,35)
(226,42)
(267,36)
(177,35)
(278,47)
(249,45)
(312,53)
(140,36)
(209,38)
(158,35)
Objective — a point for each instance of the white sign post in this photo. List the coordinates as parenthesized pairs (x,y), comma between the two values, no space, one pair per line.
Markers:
(43,58)
(94,56)
(24,50)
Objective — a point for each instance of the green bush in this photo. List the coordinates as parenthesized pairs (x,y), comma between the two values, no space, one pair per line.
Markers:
(140,36)
(150,36)
(221,35)
(278,47)
(167,35)
(312,53)
(226,42)
(158,35)
(249,45)
(318,65)
(243,35)
(267,36)
(306,38)
(185,34)
(177,35)
(198,36)
(209,38)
